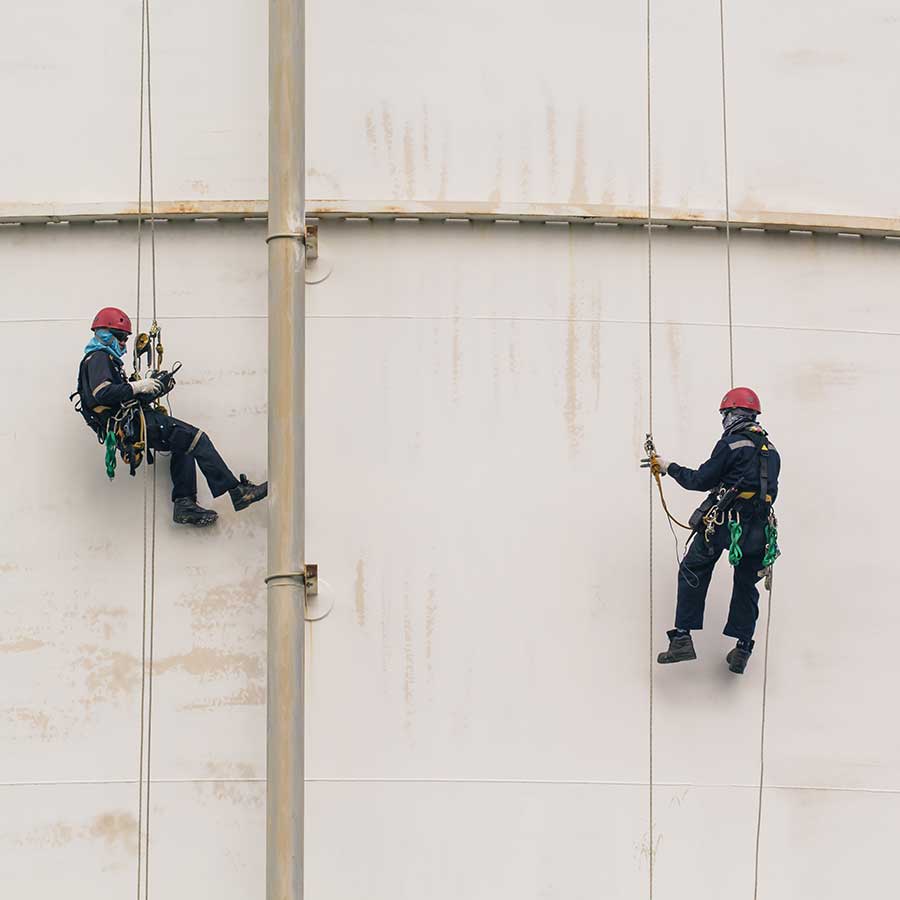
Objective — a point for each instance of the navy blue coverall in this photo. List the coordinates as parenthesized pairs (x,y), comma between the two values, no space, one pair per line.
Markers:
(735,460)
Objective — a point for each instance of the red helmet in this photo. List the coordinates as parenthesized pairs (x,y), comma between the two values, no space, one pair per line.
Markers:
(110,317)
(740,398)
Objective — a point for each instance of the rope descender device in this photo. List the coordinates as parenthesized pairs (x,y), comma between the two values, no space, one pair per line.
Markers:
(656,472)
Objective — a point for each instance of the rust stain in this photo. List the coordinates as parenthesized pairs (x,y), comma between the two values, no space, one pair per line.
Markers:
(409,162)
(115,829)
(252,695)
(246,795)
(106,620)
(8,567)
(431,611)
(325,176)
(206,662)
(409,668)
(495,361)
(426,135)
(551,142)
(223,601)
(445,166)
(572,404)
(25,645)
(230,770)
(457,352)
(371,136)
(525,178)
(595,362)
(37,720)
(110,674)
(56,835)
(360,590)
(386,654)
(387,125)
(579,191)
(496,193)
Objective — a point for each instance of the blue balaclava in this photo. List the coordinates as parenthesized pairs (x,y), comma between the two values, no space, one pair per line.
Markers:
(104,339)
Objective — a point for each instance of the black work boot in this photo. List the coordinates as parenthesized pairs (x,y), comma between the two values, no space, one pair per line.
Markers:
(681,648)
(247,492)
(188,513)
(738,658)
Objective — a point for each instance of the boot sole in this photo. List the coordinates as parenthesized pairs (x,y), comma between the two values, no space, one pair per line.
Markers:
(666,662)
(202,523)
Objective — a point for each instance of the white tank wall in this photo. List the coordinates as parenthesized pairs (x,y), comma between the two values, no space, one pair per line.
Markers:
(522,101)
(477,716)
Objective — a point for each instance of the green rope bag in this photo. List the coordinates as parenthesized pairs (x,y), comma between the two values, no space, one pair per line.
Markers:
(772,551)
(110,445)
(735,554)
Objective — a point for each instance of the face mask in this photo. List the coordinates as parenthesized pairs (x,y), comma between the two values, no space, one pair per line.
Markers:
(109,340)
(733,417)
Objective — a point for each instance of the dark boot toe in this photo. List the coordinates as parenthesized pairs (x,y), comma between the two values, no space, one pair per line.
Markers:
(247,493)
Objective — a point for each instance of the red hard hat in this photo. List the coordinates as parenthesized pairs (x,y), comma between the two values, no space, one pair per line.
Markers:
(110,317)
(740,398)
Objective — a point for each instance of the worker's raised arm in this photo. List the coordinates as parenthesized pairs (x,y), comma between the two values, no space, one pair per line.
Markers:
(708,476)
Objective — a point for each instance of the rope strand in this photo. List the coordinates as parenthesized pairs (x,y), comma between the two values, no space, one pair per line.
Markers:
(652,849)
(149,531)
(727,194)
(152,480)
(762,748)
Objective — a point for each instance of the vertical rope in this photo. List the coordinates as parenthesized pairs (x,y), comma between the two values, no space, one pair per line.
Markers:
(762,750)
(650,397)
(762,727)
(149,557)
(143,704)
(140,207)
(727,193)
(137,328)
(150,173)
(152,480)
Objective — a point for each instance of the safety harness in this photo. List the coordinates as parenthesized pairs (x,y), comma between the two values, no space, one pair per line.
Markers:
(719,509)
(125,429)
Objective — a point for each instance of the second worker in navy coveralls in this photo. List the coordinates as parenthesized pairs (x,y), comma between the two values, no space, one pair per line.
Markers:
(735,462)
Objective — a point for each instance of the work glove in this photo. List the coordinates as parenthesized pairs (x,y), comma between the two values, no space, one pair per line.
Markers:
(662,463)
(149,386)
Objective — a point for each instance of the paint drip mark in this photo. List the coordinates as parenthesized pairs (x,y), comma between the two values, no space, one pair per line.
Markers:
(360,591)
(431,611)
(409,668)
(579,192)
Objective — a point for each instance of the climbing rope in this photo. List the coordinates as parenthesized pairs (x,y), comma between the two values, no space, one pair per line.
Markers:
(149,555)
(762,742)
(727,193)
(772,551)
(651,848)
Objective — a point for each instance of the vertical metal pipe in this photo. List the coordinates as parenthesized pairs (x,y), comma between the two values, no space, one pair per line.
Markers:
(287,361)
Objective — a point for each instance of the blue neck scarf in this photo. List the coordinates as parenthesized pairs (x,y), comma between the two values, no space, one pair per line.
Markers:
(103,339)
